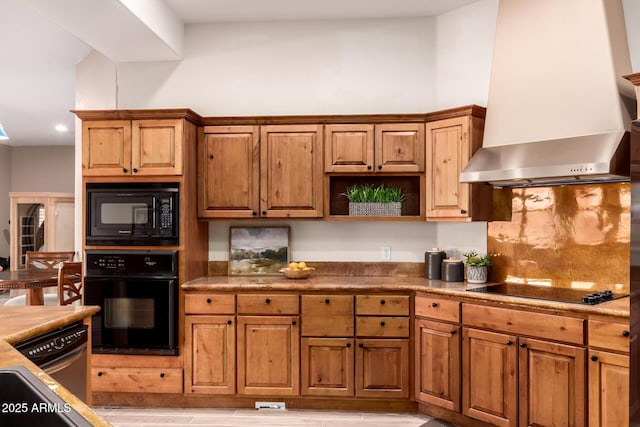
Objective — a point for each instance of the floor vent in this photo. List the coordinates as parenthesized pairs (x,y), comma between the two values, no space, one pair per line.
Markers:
(278,406)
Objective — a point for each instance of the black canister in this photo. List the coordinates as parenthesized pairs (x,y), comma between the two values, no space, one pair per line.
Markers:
(452,270)
(433,263)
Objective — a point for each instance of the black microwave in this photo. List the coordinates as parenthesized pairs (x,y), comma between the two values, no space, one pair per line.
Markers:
(132,214)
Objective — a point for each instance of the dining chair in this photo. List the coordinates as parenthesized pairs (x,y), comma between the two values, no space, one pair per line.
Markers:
(70,283)
(46,260)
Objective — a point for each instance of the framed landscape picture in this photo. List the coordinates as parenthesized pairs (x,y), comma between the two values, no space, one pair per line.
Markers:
(258,250)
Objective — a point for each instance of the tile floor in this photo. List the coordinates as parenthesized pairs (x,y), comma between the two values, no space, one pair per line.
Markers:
(143,417)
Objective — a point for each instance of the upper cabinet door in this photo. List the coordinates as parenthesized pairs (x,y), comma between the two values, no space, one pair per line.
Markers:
(291,171)
(348,148)
(228,179)
(156,147)
(399,147)
(106,147)
(447,153)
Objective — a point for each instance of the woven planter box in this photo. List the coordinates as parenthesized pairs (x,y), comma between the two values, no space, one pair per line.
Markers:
(375,209)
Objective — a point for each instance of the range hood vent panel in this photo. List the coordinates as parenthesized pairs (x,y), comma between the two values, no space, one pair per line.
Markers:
(583,159)
(557,65)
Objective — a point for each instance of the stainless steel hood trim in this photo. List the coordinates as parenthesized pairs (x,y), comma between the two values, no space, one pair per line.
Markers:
(577,160)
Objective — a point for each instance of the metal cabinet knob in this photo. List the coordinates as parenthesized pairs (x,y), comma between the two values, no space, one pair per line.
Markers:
(162,375)
(268,301)
(327,301)
(625,333)
(523,345)
(125,170)
(379,167)
(348,345)
(434,304)
(462,211)
(453,331)
(361,345)
(382,323)
(100,374)
(509,342)
(229,322)
(594,358)
(294,323)
(208,300)
(383,302)
(369,167)
(135,170)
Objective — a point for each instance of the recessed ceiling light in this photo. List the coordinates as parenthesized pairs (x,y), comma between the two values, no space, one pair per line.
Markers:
(61,128)
(3,134)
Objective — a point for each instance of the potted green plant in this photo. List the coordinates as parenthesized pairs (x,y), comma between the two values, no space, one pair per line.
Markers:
(477,266)
(371,200)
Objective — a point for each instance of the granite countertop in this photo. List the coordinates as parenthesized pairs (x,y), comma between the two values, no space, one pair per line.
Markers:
(18,324)
(616,308)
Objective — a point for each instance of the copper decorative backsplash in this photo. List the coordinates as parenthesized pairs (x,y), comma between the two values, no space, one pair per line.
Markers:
(575,236)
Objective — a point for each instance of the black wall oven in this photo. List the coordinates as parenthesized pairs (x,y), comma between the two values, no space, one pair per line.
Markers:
(137,292)
(132,214)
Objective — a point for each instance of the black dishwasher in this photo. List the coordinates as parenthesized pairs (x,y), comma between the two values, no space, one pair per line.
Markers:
(62,354)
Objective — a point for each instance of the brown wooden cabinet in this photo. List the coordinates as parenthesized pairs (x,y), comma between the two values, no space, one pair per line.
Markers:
(437,351)
(228,173)
(270,171)
(489,377)
(382,368)
(269,355)
(210,342)
(327,367)
(509,379)
(145,147)
(382,352)
(450,144)
(550,373)
(608,371)
(211,364)
(387,147)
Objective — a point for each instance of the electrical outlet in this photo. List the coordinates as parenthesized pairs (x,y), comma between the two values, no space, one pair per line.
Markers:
(385,253)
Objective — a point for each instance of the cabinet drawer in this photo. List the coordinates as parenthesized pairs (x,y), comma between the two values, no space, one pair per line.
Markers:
(519,322)
(209,304)
(327,315)
(268,304)
(608,335)
(137,380)
(437,308)
(382,305)
(382,327)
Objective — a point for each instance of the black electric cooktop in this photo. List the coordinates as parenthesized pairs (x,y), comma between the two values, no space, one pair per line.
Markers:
(569,295)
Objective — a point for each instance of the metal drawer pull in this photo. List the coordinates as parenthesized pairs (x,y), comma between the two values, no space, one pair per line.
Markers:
(100,373)
(361,345)
(382,323)
(594,358)
(162,375)
(229,322)
(294,323)
(434,304)
(625,333)
(523,345)
(348,345)
(268,301)
(509,342)
(383,302)
(453,331)
(327,301)
(208,300)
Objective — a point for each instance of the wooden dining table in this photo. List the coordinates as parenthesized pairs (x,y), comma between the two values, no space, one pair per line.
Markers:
(33,281)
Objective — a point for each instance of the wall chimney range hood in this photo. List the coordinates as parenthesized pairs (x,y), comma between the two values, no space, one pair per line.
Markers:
(559,109)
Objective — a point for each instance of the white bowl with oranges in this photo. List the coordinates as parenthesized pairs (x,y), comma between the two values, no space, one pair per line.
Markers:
(297,270)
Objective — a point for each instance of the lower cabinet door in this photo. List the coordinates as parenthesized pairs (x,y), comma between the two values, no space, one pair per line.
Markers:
(210,342)
(382,368)
(438,364)
(327,367)
(268,355)
(608,389)
(552,384)
(489,377)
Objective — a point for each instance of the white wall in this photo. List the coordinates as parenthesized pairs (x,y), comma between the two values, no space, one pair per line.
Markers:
(320,67)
